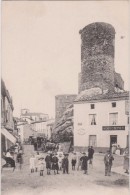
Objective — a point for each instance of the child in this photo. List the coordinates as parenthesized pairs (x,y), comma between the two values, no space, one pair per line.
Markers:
(60,158)
(20,158)
(37,157)
(32,163)
(41,165)
(48,163)
(84,160)
(79,162)
(73,161)
(55,166)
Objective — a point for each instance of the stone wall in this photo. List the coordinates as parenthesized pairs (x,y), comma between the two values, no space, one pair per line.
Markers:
(97,56)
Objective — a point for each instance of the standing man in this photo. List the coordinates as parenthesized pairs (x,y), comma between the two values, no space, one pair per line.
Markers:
(65,164)
(108,158)
(84,160)
(90,154)
(48,163)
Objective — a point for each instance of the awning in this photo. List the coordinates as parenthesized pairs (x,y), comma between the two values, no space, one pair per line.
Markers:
(8,135)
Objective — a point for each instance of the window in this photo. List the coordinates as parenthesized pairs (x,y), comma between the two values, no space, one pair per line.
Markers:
(92,119)
(113,104)
(113,118)
(128,122)
(92,106)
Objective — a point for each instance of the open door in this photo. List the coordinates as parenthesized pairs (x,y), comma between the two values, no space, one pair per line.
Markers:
(113,139)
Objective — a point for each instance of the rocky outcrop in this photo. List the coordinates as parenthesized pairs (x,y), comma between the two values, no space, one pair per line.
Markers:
(63,129)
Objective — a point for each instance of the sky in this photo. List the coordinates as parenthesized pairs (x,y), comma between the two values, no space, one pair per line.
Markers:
(41,47)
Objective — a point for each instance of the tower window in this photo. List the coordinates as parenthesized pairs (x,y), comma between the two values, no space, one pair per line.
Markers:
(92,106)
(113,104)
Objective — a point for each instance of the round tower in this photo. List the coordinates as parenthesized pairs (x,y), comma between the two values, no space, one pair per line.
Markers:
(97,56)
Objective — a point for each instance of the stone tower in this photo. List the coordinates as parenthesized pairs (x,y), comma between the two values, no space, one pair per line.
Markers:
(97,56)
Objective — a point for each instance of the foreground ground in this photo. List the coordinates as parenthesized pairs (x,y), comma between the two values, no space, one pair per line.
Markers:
(23,182)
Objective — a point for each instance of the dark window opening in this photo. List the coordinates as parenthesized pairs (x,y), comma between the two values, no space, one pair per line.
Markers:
(92,106)
(113,104)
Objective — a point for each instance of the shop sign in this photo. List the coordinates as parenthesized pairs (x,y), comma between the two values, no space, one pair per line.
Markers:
(111,128)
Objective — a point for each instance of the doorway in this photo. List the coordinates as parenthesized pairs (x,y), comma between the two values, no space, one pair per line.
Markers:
(92,140)
(113,139)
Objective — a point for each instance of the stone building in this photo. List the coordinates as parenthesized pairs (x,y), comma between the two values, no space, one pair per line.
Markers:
(101,114)
(100,120)
(34,124)
(97,58)
(33,116)
(61,103)
(7,121)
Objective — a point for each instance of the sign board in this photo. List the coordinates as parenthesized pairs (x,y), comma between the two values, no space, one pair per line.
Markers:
(111,128)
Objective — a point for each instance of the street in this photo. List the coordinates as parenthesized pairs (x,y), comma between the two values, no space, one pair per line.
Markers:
(23,182)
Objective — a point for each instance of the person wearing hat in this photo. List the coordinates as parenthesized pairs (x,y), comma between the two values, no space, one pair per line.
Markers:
(41,164)
(48,163)
(84,160)
(108,158)
(55,166)
(65,164)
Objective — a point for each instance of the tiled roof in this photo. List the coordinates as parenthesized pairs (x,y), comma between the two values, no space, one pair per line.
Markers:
(106,96)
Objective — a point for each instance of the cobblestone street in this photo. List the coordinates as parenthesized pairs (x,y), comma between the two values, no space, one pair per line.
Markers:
(24,182)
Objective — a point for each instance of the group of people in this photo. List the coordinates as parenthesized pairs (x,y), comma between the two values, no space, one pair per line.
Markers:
(58,161)
(13,155)
(52,160)
(44,145)
(115,148)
